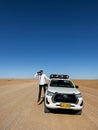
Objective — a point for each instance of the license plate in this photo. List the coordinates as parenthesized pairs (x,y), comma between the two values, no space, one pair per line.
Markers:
(65,105)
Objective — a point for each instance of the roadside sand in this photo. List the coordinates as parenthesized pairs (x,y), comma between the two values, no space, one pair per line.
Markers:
(19,109)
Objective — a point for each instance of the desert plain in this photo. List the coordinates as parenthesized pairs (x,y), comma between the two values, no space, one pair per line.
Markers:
(19,109)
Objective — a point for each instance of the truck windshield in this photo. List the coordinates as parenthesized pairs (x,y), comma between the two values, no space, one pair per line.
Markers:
(61,83)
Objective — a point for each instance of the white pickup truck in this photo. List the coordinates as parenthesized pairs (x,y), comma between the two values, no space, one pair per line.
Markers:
(61,93)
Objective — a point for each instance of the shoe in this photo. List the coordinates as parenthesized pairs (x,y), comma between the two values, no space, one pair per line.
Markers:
(38,100)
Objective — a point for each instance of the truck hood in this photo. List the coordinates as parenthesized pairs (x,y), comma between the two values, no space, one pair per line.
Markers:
(63,90)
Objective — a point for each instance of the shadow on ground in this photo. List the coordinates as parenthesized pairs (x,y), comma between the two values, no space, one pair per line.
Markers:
(41,101)
(64,111)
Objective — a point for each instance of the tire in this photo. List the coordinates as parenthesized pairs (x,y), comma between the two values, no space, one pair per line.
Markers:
(79,112)
(46,110)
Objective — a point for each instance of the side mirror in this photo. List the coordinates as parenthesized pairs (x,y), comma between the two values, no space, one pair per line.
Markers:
(76,86)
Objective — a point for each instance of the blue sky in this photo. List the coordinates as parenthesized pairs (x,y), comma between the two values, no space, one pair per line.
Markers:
(58,36)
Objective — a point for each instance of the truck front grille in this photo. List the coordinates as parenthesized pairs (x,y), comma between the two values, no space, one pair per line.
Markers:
(66,98)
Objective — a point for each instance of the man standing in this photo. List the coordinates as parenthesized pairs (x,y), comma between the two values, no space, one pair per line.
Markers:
(42,82)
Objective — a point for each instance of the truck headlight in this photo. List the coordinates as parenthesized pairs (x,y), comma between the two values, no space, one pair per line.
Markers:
(50,93)
(79,95)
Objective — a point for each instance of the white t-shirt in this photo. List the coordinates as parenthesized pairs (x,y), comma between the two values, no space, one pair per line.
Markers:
(42,78)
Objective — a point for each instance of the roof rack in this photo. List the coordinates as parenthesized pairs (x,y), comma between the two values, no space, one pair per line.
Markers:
(60,76)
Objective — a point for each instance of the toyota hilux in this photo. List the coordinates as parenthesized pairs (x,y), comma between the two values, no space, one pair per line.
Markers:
(61,93)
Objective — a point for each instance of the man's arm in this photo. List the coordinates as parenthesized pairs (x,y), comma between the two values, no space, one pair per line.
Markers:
(36,75)
(47,78)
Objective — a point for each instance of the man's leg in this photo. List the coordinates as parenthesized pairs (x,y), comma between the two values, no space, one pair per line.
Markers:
(45,86)
(39,95)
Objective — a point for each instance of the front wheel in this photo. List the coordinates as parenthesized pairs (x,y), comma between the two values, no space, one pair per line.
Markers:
(46,110)
(79,112)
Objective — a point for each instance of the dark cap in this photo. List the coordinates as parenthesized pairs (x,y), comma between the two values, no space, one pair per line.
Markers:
(41,70)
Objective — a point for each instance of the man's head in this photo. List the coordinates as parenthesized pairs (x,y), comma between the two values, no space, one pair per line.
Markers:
(41,72)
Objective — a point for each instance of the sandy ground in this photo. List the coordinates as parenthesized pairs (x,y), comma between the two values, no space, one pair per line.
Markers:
(19,109)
